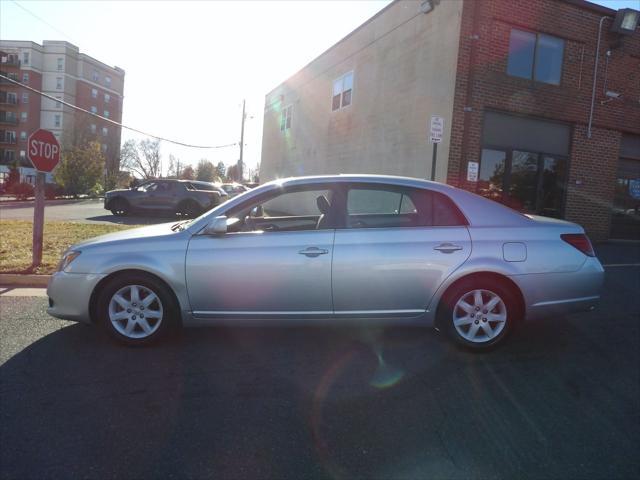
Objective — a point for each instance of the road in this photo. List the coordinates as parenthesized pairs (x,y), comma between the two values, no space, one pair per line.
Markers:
(560,400)
(83,211)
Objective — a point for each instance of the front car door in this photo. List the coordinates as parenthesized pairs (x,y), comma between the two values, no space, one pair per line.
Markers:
(397,246)
(275,261)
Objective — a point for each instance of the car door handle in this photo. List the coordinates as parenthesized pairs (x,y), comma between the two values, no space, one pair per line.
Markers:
(313,252)
(447,248)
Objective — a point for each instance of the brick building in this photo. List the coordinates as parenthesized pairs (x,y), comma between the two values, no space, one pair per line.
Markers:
(514,82)
(59,69)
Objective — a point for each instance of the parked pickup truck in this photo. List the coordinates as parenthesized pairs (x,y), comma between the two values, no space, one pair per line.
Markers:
(187,198)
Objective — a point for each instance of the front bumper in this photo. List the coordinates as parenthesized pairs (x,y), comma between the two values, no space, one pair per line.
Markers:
(70,294)
(551,294)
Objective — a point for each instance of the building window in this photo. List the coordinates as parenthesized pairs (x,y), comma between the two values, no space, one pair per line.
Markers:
(95,76)
(94,109)
(24,116)
(342,91)
(60,64)
(25,58)
(535,56)
(56,120)
(105,131)
(23,154)
(285,120)
(93,128)
(9,136)
(104,148)
(25,77)
(107,81)
(59,104)
(12,98)
(59,83)
(106,113)
(107,98)
(94,93)
(23,136)
(25,98)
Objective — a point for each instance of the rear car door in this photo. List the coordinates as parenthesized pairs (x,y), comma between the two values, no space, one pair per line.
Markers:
(397,246)
(275,261)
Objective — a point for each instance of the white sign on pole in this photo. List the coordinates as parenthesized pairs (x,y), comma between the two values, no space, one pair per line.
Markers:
(437,129)
(472,171)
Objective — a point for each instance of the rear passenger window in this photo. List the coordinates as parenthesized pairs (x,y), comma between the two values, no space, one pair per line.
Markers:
(392,207)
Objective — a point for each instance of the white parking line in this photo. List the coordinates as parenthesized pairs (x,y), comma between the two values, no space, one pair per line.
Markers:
(22,292)
(610,265)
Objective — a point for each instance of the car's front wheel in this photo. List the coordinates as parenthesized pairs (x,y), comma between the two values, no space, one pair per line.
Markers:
(136,309)
(478,314)
(120,207)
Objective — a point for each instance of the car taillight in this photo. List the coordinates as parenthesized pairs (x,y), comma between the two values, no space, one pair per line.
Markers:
(579,241)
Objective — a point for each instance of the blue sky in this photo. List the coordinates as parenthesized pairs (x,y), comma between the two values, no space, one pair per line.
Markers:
(189,64)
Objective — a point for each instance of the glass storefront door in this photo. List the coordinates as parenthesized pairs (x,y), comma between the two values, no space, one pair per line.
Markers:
(625,215)
(531,182)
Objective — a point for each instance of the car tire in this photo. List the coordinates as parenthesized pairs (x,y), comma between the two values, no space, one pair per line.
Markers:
(478,314)
(120,207)
(137,319)
(189,209)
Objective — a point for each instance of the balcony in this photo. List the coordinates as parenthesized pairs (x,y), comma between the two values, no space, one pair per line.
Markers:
(11,76)
(7,119)
(8,99)
(10,61)
(7,138)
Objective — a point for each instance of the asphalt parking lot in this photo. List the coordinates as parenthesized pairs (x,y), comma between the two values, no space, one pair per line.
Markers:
(82,211)
(560,400)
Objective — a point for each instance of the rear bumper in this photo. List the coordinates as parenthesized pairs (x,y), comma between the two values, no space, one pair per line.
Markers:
(69,295)
(550,294)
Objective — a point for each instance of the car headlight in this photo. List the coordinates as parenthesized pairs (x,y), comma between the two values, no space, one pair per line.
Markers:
(67,258)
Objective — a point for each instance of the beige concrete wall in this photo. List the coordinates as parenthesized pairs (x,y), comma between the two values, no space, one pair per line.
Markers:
(404,66)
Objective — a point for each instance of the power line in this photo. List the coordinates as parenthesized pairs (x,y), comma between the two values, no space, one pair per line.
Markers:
(43,21)
(113,122)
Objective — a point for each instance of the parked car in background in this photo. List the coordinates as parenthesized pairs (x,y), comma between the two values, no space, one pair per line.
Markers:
(358,248)
(188,198)
(233,189)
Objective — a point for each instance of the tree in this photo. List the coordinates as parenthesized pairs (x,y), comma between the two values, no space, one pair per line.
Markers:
(174,167)
(233,173)
(188,173)
(80,169)
(221,170)
(141,158)
(205,171)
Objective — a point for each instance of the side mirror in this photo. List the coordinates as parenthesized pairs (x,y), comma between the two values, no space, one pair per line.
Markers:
(217,227)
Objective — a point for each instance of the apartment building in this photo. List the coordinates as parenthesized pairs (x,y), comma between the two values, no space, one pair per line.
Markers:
(530,120)
(60,70)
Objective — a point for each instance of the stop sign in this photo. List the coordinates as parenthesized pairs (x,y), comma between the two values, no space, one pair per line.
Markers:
(43,150)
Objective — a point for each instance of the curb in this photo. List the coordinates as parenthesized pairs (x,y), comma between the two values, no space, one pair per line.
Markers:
(14,279)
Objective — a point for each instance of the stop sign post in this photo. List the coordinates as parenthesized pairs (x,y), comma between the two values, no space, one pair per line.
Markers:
(43,151)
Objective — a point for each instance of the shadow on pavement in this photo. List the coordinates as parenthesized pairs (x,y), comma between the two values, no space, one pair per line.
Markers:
(320,402)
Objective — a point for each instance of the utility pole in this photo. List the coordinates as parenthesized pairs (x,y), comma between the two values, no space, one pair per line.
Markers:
(240,164)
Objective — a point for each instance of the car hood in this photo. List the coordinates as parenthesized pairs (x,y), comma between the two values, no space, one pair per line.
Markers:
(151,231)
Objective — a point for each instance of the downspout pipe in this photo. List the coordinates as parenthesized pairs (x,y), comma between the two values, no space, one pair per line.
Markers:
(595,76)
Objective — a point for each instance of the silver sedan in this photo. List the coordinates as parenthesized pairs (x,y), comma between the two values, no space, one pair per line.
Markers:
(341,248)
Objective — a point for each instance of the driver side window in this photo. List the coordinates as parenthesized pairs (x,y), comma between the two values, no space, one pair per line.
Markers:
(289,211)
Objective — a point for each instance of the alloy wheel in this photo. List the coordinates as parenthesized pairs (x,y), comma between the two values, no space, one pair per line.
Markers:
(479,316)
(135,311)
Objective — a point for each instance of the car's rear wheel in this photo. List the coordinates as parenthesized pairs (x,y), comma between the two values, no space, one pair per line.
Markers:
(477,314)
(189,209)
(120,207)
(136,309)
